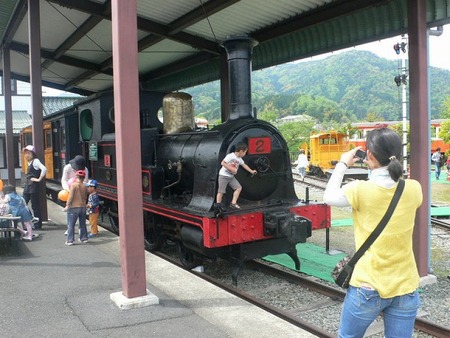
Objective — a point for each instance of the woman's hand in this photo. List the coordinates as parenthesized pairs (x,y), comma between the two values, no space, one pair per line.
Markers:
(349,157)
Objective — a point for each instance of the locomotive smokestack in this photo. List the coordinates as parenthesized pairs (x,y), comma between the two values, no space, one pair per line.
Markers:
(239,57)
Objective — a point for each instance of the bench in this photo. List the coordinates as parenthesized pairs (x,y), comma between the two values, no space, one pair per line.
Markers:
(8,225)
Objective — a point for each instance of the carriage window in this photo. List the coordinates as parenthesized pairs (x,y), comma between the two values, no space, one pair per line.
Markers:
(86,124)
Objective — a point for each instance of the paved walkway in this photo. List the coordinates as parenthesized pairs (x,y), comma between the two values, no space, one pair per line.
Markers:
(48,289)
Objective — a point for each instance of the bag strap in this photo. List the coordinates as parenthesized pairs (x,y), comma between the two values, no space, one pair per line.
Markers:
(373,236)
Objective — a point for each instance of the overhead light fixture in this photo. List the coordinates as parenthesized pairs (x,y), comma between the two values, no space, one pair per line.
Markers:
(400,47)
(404,77)
(397,48)
(403,47)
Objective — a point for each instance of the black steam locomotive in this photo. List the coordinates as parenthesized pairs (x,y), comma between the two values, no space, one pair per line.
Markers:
(180,166)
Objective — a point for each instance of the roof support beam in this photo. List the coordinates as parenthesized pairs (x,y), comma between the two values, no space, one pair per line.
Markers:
(73,39)
(328,12)
(67,60)
(10,162)
(143,24)
(17,17)
(296,23)
(159,32)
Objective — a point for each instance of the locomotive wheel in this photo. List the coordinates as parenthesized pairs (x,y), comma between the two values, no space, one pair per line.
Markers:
(113,215)
(187,257)
(54,196)
(153,238)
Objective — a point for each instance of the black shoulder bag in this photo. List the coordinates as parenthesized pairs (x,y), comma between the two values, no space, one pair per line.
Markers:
(343,270)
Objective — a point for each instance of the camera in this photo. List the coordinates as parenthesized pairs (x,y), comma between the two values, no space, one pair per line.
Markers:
(361,154)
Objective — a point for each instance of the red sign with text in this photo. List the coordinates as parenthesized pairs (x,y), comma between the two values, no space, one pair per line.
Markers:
(259,145)
(107,160)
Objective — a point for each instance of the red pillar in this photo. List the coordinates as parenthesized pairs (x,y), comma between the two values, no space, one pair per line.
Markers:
(34,37)
(128,150)
(419,125)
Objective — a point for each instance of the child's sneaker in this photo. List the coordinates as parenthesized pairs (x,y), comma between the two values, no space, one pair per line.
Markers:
(69,243)
(91,235)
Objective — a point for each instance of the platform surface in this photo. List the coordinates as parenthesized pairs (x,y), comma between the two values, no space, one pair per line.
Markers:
(49,289)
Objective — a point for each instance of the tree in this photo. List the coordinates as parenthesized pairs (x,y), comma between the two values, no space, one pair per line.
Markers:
(296,133)
(373,117)
(445,108)
(269,113)
(444,133)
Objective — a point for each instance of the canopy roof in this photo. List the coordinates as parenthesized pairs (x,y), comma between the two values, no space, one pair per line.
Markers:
(180,40)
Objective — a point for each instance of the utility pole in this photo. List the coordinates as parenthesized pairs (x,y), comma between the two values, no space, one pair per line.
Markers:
(400,48)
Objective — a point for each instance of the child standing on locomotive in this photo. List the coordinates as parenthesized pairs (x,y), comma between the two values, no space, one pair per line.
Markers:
(230,165)
(35,174)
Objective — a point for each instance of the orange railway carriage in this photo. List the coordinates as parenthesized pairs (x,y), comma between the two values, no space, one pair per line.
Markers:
(26,138)
(325,150)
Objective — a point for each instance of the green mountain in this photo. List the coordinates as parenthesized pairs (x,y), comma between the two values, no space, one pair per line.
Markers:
(349,86)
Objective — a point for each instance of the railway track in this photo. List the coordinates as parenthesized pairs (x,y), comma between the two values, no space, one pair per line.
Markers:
(334,297)
(441,223)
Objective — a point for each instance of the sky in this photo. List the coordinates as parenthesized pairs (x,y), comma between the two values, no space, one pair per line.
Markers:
(438,47)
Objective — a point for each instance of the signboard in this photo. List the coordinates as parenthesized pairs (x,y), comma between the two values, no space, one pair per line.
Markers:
(93,151)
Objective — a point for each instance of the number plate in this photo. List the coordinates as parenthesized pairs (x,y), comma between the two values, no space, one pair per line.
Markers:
(259,145)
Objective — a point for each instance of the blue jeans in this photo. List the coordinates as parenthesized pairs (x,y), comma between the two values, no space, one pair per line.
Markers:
(361,307)
(438,170)
(74,214)
(302,172)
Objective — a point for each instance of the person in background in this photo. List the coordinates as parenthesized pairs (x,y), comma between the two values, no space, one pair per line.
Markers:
(302,164)
(437,159)
(68,176)
(93,207)
(4,211)
(18,208)
(230,165)
(448,168)
(35,178)
(385,279)
(76,208)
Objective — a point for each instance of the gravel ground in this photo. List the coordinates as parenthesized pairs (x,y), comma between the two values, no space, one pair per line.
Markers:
(325,313)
